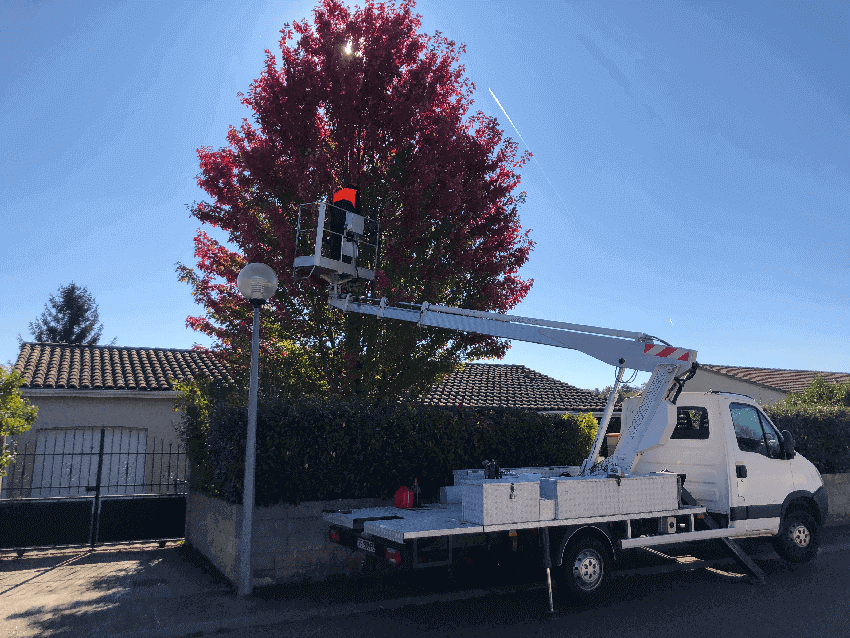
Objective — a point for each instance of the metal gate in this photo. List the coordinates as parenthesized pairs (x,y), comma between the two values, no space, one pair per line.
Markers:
(92,486)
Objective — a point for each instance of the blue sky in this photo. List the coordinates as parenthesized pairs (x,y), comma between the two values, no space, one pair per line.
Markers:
(691,177)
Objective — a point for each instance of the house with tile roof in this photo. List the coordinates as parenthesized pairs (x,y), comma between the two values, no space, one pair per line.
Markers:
(79,390)
(765,385)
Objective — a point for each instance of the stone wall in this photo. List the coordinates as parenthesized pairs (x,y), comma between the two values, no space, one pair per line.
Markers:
(289,542)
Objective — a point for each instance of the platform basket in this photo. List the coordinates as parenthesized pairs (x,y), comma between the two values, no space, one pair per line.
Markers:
(335,244)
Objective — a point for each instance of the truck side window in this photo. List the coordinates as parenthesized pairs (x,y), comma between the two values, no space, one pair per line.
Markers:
(691,423)
(774,445)
(748,430)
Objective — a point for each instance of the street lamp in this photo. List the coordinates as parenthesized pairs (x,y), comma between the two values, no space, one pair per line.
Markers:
(257,283)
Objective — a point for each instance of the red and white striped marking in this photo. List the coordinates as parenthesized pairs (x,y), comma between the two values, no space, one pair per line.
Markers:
(667,352)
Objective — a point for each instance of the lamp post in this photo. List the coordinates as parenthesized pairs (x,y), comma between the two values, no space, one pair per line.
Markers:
(257,283)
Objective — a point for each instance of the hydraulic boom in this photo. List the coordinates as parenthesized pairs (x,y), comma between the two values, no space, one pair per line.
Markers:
(649,426)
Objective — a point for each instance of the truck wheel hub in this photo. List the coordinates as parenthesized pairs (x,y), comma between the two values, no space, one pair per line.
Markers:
(587,569)
(800,535)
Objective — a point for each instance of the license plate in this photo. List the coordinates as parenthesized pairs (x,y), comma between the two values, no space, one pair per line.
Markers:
(368,546)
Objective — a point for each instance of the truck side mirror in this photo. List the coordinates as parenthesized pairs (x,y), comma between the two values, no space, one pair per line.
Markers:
(788,444)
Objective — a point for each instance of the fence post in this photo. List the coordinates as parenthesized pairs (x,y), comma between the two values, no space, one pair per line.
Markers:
(95,510)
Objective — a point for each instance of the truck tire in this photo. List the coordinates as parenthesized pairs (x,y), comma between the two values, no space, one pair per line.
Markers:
(584,570)
(797,541)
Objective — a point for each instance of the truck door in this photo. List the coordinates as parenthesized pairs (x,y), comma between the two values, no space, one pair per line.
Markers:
(764,478)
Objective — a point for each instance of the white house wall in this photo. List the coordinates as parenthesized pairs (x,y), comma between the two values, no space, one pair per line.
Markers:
(152,413)
(148,421)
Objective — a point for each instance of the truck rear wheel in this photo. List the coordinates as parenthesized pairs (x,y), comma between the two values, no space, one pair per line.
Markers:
(584,570)
(797,541)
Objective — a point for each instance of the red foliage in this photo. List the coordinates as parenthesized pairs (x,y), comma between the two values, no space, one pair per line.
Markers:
(392,116)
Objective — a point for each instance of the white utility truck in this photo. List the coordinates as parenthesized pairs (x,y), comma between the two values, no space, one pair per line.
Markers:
(689,466)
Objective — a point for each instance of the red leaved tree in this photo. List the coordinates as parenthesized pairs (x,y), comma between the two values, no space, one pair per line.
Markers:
(361,96)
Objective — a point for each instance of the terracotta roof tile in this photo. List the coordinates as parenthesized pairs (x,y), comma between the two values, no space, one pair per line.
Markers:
(501,385)
(778,379)
(96,378)
(114,365)
(86,370)
(84,367)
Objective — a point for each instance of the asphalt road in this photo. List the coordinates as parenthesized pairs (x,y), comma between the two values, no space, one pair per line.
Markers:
(796,600)
(151,592)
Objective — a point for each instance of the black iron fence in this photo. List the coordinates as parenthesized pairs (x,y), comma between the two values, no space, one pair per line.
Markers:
(93,485)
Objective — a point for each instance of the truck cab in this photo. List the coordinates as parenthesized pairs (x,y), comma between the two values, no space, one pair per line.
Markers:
(736,463)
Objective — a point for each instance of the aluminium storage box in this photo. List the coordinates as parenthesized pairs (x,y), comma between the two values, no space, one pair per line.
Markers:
(501,501)
(580,497)
(649,493)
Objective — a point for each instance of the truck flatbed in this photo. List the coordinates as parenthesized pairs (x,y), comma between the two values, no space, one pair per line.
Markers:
(399,525)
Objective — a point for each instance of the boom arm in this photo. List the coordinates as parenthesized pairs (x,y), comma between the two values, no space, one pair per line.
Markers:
(620,348)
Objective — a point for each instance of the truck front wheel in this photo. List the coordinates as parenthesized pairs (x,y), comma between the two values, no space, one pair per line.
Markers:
(585,568)
(797,541)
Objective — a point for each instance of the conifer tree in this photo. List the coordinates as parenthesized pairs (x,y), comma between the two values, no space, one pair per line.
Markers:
(71,317)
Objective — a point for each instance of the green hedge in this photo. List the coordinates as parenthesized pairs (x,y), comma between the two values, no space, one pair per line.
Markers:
(324,448)
(821,434)
(819,419)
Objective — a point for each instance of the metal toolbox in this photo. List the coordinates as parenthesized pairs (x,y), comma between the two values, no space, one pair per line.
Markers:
(501,501)
(650,493)
(581,497)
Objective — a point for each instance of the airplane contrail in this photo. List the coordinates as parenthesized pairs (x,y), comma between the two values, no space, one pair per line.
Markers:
(526,146)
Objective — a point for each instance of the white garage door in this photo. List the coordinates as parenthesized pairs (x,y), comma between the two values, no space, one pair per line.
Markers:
(65,462)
